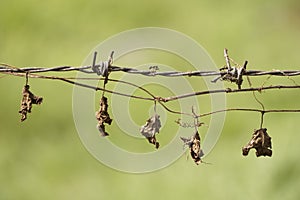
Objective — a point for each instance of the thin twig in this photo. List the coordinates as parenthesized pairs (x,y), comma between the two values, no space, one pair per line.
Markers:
(163,99)
(67,80)
(229,90)
(250,110)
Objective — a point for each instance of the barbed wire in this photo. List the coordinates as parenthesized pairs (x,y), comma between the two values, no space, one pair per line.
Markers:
(232,73)
(5,68)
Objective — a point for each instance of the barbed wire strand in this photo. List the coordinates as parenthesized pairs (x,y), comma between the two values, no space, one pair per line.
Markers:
(5,68)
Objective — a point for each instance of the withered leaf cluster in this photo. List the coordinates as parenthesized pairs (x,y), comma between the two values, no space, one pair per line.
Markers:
(28,99)
(151,128)
(195,148)
(103,116)
(261,142)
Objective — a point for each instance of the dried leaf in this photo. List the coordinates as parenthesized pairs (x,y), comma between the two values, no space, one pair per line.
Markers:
(103,117)
(28,99)
(195,147)
(151,128)
(261,142)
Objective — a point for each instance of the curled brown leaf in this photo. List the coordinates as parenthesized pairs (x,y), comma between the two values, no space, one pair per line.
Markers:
(103,117)
(195,147)
(26,104)
(261,142)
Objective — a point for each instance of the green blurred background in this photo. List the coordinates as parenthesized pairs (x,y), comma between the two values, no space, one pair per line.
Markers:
(43,157)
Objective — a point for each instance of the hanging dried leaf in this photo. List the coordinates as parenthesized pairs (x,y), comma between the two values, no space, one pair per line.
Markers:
(260,141)
(26,104)
(103,116)
(151,128)
(195,148)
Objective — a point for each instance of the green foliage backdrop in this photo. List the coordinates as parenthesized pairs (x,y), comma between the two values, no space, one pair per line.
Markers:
(43,157)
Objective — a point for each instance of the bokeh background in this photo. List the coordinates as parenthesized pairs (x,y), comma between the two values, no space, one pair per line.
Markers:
(43,158)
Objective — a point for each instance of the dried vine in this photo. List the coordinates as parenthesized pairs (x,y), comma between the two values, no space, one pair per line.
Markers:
(233,73)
